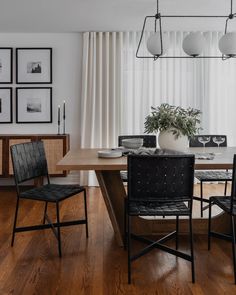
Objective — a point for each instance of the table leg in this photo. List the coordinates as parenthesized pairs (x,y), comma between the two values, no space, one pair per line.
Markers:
(113,192)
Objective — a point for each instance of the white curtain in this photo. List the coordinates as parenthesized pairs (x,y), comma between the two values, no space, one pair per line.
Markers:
(206,84)
(101,92)
(118,89)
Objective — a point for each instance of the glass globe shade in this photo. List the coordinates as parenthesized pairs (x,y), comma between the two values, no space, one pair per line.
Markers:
(227,44)
(154,43)
(194,44)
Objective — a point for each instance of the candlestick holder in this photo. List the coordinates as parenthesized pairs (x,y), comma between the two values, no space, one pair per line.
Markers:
(64,125)
(58,119)
(58,128)
(64,117)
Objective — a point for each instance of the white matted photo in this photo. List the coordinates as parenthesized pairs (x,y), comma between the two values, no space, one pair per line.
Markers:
(5,65)
(34,65)
(5,105)
(34,105)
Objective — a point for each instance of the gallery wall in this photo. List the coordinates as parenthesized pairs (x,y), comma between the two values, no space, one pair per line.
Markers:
(66,84)
(66,62)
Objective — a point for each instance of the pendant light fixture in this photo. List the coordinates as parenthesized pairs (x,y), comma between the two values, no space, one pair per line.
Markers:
(154,45)
(193,44)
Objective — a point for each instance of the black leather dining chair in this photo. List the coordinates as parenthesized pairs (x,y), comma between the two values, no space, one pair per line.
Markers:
(149,141)
(29,163)
(228,205)
(210,175)
(159,185)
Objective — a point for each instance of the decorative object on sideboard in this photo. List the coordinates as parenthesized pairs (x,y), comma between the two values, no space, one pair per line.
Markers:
(64,117)
(58,119)
(5,105)
(34,105)
(175,124)
(6,58)
(33,65)
(193,44)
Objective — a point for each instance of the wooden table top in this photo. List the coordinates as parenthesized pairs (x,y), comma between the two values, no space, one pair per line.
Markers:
(87,159)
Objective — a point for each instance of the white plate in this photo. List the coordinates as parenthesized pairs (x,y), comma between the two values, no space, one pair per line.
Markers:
(109,154)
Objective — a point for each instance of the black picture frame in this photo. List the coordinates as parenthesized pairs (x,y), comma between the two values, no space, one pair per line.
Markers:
(34,65)
(6,105)
(6,65)
(33,105)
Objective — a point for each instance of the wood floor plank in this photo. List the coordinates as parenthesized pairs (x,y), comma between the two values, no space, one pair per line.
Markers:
(97,266)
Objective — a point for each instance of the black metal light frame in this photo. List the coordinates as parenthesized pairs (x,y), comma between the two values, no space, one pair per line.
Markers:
(157,18)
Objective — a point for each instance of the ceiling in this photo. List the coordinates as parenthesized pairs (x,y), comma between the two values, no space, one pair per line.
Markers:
(106,15)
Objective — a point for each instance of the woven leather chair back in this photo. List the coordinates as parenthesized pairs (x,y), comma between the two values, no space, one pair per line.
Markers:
(160,177)
(29,161)
(193,142)
(149,141)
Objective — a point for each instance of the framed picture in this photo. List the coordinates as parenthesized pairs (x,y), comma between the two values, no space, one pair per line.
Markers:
(34,105)
(33,65)
(6,65)
(5,105)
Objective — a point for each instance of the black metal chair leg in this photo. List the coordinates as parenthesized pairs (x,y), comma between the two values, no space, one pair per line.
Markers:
(225,191)
(129,250)
(209,227)
(201,195)
(233,246)
(58,229)
(191,246)
(125,225)
(177,233)
(45,211)
(86,213)
(15,220)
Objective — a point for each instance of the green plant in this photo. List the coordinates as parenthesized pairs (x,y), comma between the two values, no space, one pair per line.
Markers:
(176,119)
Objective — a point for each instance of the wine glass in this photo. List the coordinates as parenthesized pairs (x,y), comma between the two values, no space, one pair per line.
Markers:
(218,140)
(204,139)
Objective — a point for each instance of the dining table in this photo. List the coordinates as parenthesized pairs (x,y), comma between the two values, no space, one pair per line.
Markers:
(113,190)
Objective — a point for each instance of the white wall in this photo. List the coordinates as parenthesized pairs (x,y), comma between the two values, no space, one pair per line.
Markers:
(67,62)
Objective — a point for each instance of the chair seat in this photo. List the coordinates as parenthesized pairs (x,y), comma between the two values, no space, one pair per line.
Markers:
(224,203)
(213,175)
(52,192)
(158,209)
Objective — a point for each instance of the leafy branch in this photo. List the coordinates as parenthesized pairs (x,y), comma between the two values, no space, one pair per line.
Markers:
(176,119)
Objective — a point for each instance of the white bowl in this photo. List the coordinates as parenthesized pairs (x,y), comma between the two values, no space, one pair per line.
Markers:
(109,154)
(132,143)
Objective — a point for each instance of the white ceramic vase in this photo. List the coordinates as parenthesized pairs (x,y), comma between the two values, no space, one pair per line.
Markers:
(167,140)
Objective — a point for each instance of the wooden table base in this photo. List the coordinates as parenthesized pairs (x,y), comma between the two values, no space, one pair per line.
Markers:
(113,192)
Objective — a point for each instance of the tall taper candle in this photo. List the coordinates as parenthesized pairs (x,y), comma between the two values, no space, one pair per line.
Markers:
(58,119)
(64,117)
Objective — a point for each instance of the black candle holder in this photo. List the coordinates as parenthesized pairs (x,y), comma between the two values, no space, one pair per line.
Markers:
(64,125)
(58,127)
(64,117)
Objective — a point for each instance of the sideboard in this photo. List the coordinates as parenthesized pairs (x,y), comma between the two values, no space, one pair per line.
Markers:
(56,146)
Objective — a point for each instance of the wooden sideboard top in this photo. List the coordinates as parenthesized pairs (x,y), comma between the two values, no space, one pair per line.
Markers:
(30,135)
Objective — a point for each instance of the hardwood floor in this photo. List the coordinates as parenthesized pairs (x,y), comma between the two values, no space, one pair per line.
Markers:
(97,265)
